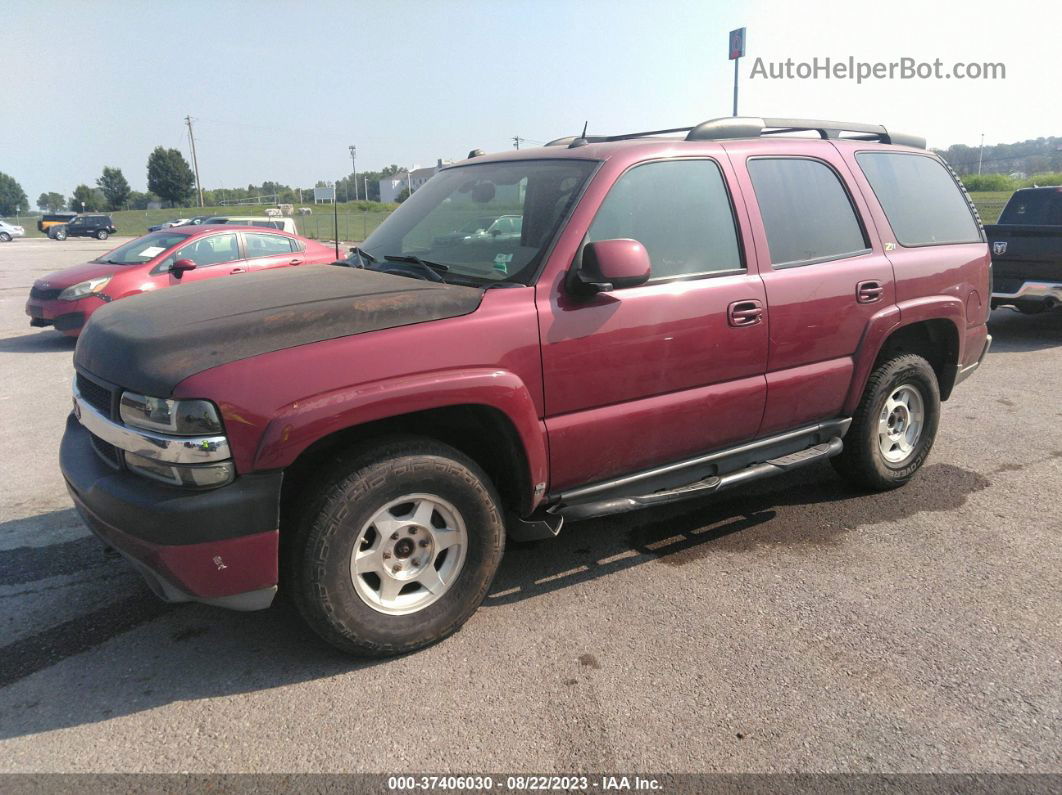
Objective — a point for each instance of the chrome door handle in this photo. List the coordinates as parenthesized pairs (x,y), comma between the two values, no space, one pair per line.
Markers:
(237,270)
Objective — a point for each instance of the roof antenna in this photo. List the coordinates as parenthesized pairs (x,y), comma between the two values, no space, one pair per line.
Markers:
(585,123)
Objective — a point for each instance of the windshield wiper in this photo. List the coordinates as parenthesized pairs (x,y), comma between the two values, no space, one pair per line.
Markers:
(430,269)
(364,255)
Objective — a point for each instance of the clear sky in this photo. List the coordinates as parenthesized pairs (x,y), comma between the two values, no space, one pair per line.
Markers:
(278,91)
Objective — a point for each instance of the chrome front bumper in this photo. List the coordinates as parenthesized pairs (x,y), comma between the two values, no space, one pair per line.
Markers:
(157,446)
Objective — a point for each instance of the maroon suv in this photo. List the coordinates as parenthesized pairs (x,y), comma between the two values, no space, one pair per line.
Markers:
(670,316)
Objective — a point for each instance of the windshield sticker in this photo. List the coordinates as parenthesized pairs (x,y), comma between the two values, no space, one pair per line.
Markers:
(501,262)
(151,251)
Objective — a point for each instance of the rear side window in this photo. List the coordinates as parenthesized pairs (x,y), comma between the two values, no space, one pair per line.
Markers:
(1034,208)
(261,245)
(806,211)
(679,210)
(920,198)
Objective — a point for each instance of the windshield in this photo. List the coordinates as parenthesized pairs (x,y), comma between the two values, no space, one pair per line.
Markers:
(143,248)
(484,223)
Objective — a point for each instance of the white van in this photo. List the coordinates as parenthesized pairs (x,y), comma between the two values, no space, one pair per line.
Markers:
(286,224)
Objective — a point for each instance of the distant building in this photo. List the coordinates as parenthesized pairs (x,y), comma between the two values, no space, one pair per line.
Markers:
(391,187)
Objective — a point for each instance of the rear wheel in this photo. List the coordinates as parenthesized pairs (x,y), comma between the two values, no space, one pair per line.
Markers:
(101,234)
(894,427)
(397,549)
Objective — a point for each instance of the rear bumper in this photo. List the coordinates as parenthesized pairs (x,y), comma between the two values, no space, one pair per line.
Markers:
(218,546)
(1031,292)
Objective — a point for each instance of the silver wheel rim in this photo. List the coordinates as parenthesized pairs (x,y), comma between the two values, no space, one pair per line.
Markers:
(900,423)
(408,554)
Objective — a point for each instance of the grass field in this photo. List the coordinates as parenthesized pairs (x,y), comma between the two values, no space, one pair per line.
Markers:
(356,219)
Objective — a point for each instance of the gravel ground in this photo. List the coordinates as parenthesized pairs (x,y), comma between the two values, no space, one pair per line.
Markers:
(797,627)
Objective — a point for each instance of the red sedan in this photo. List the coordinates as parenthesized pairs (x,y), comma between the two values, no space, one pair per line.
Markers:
(65,299)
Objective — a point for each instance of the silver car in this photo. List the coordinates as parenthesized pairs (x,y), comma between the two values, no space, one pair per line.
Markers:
(9,232)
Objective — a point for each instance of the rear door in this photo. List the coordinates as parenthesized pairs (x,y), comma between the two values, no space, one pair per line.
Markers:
(264,250)
(656,373)
(823,269)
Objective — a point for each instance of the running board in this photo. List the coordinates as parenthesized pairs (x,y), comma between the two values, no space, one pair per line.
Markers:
(700,488)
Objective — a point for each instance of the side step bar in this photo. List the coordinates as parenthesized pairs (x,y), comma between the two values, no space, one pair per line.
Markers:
(700,488)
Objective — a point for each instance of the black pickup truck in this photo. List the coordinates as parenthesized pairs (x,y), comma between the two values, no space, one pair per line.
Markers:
(1026,248)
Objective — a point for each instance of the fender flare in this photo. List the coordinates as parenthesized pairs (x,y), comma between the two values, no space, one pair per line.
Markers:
(298,425)
(890,320)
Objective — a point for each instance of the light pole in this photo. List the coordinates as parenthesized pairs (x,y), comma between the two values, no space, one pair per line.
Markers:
(354,164)
(980,153)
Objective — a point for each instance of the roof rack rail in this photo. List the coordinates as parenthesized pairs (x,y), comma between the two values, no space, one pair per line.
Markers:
(753,127)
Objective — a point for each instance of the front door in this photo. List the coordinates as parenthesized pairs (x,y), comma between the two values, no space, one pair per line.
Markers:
(213,255)
(653,374)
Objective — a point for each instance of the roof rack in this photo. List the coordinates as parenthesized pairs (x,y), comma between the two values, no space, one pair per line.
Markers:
(730,127)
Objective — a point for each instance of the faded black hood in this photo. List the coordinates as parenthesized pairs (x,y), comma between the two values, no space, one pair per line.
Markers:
(151,342)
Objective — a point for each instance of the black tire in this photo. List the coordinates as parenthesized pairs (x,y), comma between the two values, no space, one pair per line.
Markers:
(330,518)
(101,234)
(862,462)
(59,234)
(5,237)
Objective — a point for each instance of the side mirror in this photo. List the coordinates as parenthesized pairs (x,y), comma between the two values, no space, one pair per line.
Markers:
(611,265)
(180,266)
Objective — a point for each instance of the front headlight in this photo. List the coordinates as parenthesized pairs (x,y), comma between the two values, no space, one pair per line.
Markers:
(179,417)
(82,289)
(193,475)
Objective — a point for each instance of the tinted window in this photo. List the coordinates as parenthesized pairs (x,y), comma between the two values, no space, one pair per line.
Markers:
(1034,207)
(211,250)
(259,245)
(920,198)
(806,212)
(679,210)
(431,223)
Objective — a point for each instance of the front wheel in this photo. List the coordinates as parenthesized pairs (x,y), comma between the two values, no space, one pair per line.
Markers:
(5,237)
(59,234)
(397,549)
(894,427)
(101,234)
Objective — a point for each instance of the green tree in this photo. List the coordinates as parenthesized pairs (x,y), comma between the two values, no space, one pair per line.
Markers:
(114,186)
(12,197)
(401,197)
(170,177)
(140,201)
(51,202)
(85,199)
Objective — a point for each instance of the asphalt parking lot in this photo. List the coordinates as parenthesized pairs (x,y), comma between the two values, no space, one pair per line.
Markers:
(801,626)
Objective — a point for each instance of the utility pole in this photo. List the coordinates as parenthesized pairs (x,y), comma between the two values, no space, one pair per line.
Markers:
(980,153)
(517,140)
(195,161)
(365,184)
(353,162)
